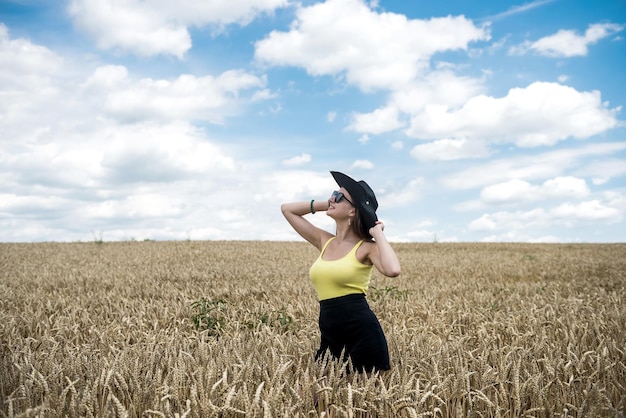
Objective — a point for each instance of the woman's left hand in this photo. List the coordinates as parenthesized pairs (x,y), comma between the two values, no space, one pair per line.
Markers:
(379,226)
(382,255)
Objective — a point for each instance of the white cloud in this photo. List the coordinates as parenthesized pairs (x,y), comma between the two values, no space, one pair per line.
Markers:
(131,149)
(23,63)
(298,160)
(516,190)
(539,115)
(107,77)
(364,57)
(27,83)
(150,152)
(521,236)
(615,199)
(32,204)
(377,50)
(362,164)
(117,155)
(186,97)
(450,149)
(130,26)
(71,163)
(598,181)
(441,87)
(604,169)
(152,27)
(404,194)
(422,235)
(379,121)
(568,215)
(592,210)
(567,43)
(531,167)
(140,207)
(564,187)
(512,221)
(55,132)
(510,191)
(222,12)
(437,87)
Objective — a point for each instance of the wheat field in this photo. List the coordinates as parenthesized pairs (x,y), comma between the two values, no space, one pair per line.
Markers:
(228,329)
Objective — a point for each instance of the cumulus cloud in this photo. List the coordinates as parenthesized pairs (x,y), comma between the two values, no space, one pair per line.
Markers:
(366,164)
(364,55)
(564,187)
(538,115)
(532,167)
(117,155)
(134,155)
(152,27)
(28,82)
(381,120)
(404,194)
(364,139)
(157,153)
(365,59)
(440,86)
(135,207)
(78,133)
(518,220)
(568,215)
(105,150)
(450,149)
(604,169)
(509,191)
(298,160)
(130,26)
(186,97)
(222,12)
(507,225)
(517,191)
(51,206)
(568,43)
(592,210)
(23,63)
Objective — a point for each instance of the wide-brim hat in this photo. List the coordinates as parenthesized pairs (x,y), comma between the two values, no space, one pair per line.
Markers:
(362,195)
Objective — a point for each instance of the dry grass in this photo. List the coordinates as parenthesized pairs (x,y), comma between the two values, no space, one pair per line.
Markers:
(483,330)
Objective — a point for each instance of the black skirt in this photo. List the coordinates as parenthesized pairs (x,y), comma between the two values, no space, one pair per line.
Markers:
(349,327)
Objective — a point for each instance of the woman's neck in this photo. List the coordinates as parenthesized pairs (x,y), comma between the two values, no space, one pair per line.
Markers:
(345,232)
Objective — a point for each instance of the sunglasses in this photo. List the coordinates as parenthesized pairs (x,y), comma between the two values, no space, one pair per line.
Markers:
(337,196)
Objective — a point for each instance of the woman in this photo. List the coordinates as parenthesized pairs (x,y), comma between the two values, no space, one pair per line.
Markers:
(342,272)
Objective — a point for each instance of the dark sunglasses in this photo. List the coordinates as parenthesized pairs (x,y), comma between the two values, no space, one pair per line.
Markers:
(337,196)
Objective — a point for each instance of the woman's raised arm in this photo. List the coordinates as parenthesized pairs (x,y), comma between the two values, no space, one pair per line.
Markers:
(294,213)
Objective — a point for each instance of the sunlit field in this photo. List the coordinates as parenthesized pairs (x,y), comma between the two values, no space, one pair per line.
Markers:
(228,329)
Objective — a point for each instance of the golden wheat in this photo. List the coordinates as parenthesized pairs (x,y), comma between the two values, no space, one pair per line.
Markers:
(491,330)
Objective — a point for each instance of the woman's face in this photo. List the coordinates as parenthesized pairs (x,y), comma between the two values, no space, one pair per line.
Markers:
(340,203)
(340,196)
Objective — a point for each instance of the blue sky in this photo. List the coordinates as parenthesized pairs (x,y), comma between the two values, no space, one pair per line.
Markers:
(472,121)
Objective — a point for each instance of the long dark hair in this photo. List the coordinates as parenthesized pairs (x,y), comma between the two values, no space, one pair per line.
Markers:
(359,227)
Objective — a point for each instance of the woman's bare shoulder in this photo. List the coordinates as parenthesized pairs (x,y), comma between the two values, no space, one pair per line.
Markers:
(365,250)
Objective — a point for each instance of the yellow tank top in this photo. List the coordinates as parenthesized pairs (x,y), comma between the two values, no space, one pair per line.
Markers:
(341,277)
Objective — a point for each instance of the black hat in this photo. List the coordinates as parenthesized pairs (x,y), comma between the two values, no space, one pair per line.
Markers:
(362,196)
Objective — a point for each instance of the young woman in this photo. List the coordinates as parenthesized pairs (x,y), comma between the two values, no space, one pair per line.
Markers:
(342,272)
